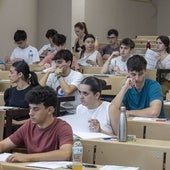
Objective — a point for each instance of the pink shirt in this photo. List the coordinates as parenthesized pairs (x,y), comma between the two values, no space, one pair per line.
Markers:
(38,140)
(48,59)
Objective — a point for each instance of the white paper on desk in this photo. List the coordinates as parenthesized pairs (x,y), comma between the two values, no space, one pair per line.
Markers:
(6,107)
(4,156)
(4,80)
(150,57)
(167,103)
(144,119)
(113,167)
(91,135)
(50,165)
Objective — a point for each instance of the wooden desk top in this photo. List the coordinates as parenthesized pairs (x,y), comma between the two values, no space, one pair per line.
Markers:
(23,166)
(139,142)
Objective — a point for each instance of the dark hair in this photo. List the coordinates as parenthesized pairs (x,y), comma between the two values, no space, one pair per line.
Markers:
(20,35)
(84,39)
(22,66)
(59,39)
(113,31)
(81,25)
(45,95)
(136,63)
(128,42)
(50,33)
(165,41)
(96,85)
(64,54)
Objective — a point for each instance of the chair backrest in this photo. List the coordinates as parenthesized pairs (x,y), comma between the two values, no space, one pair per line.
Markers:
(151,74)
(160,74)
(9,115)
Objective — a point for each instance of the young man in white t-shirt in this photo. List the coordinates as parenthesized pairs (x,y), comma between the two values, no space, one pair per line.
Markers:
(62,78)
(116,63)
(24,51)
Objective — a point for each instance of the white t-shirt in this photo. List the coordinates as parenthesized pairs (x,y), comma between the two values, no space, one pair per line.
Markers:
(117,62)
(83,61)
(79,121)
(47,47)
(29,54)
(74,78)
(166,64)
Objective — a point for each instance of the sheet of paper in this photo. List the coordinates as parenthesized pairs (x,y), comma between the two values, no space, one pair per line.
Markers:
(112,167)
(4,156)
(90,135)
(50,165)
(6,107)
(144,119)
(150,57)
(167,103)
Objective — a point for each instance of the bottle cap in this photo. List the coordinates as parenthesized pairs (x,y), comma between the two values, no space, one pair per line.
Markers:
(122,108)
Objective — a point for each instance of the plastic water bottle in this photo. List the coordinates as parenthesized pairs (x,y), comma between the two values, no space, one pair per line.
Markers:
(30,55)
(122,125)
(77,155)
(148,45)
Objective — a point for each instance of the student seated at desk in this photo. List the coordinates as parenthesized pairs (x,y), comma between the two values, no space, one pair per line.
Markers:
(24,51)
(141,96)
(59,41)
(93,114)
(25,80)
(106,51)
(48,48)
(89,56)
(45,137)
(62,78)
(117,63)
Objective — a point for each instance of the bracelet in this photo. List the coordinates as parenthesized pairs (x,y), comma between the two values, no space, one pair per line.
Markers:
(58,75)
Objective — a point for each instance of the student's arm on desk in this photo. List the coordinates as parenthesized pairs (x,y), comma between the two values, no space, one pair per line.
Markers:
(62,154)
(117,101)
(43,80)
(114,114)
(152,111)
(6,145)
(67,88)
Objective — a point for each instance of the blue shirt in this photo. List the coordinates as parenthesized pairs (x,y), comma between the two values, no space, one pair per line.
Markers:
(134,100)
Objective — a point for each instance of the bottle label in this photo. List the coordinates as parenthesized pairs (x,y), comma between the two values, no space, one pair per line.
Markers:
(77,150)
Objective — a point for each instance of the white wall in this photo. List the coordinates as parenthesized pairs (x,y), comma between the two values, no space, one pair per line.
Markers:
(129,17)
(54,14)
(36,16)
(16,14)
(78,15)
(163,23)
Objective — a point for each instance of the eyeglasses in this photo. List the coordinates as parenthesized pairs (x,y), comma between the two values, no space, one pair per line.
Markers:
(83,93)
(110,37)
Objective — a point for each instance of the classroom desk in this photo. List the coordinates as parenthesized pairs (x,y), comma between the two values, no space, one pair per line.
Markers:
(167,108)
(116,82)
(22,166)
(2,121)
(146,154)
(149,129)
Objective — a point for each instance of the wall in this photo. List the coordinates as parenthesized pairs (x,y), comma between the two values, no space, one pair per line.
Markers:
(129,17)
(54,14)
(78,15)
(163,24)
(17,14)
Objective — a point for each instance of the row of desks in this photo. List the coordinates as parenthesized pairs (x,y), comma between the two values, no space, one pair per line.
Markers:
(146,154)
